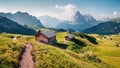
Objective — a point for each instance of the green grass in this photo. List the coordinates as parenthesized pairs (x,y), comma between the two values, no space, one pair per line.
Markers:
(76,54)
(47,56)
(104,50)
(10,50)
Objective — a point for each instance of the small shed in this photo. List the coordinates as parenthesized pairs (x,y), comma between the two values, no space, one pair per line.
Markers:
(47,36)
(69,37)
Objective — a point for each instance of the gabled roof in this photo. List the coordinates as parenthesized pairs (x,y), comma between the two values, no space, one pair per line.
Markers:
(71,35)
(49,33)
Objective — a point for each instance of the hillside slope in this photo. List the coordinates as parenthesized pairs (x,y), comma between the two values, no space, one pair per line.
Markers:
(110,27)
(92,51)
(102,48)
(23,18)
(9,26)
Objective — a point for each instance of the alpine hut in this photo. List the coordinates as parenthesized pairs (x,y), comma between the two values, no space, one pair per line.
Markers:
(47,36)
(69,37)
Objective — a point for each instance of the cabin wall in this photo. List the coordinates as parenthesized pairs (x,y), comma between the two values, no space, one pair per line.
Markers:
(42,38)
(52,40)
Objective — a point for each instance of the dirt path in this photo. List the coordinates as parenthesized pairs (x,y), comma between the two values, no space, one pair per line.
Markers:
(27,61)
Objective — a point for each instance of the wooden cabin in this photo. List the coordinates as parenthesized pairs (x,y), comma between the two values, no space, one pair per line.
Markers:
(69,37)
(48,37)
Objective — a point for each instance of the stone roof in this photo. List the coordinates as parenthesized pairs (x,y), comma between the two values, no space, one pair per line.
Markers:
(49,33)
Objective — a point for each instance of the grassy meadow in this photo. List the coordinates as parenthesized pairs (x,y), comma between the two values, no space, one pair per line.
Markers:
(85,51)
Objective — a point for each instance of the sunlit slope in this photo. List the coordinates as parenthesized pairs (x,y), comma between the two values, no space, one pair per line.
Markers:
(85,51)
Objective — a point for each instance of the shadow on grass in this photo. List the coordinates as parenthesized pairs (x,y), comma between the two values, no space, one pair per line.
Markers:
(60,45)
(78,42)
(91,39)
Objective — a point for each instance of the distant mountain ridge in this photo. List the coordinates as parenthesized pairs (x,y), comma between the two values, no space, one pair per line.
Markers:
(109,27)
(23,18)
(48,21)
(9,26)
(116,20)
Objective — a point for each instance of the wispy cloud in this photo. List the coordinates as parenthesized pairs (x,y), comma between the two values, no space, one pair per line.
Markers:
(67,11)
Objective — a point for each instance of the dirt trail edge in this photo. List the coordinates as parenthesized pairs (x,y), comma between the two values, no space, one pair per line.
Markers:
(27,61)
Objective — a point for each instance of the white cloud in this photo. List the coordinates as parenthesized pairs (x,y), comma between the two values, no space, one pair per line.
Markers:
(66,7)
(115,14)
(67,11)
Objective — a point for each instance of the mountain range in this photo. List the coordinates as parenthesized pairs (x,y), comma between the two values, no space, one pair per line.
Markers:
(79,22)
(9,26)
(23,18)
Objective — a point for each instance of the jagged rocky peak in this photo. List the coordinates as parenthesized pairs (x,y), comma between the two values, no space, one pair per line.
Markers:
(77,17)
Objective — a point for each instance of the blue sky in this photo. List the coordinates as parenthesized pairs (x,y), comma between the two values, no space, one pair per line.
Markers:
(47,7)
